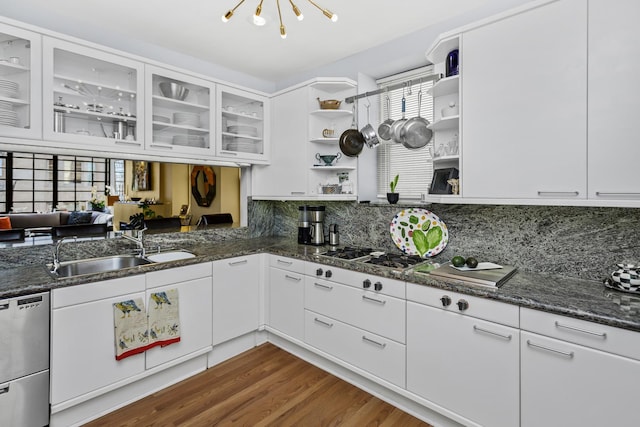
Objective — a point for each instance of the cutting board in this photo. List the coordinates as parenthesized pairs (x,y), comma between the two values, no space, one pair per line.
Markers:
(494,277)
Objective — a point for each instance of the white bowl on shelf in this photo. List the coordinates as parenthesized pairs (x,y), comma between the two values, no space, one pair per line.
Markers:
(450,110)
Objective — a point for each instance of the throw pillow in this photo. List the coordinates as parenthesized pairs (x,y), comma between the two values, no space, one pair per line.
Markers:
(5,223)
(79,218)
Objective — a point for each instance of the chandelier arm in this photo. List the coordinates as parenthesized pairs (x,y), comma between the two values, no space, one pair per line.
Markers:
(326,12)
(229,14)
(297,11)
(283,31)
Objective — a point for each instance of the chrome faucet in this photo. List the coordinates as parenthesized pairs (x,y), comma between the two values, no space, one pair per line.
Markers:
(138,240)
(56,251)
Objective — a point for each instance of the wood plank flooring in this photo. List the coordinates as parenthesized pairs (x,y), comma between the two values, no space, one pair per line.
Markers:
(265,386)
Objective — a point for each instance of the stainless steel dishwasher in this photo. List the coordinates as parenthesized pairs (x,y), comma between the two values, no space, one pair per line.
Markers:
(24,361)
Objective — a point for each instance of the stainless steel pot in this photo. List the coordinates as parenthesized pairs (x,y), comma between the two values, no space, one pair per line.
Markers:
(384,130)
(397,125)
(368,133)
(415,132)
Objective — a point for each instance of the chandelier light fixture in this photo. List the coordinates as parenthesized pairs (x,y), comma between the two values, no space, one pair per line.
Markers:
(259,20)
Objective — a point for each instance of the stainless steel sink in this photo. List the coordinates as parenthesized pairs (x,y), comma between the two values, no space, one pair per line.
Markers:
(96,265)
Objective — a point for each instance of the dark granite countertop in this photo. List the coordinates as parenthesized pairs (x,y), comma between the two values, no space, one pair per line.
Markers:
(583,299)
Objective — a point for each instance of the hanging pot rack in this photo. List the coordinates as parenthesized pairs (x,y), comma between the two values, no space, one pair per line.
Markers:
(406,83)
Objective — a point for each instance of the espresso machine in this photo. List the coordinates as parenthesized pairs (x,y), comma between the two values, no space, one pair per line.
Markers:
(311,225)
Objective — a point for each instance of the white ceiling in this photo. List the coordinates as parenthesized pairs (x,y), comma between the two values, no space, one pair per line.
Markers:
(194,27)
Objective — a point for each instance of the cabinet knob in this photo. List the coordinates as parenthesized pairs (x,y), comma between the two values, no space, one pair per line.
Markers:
(327,274)
(446,301)
(377,286)
(319,272)
(366,283)
(463,305)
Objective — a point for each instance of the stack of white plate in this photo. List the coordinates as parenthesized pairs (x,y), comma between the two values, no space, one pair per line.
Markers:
(8,117)
(186,119)
(162,119)
(189,140)
(243,130)
(8,88)
(243,145)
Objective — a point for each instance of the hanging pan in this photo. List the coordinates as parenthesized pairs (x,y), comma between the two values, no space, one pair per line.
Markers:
(368,133)
(416,133)
(384,130)
(351,141)
(397,125)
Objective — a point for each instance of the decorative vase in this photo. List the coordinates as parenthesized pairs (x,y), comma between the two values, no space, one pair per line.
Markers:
(626,278)
(392,198)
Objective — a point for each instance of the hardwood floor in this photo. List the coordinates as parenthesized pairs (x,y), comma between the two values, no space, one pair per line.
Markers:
(265,386)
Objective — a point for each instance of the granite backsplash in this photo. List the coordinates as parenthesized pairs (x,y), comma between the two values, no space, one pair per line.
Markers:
(581,242)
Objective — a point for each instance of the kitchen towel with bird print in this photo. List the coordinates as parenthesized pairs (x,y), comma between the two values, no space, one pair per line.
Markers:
(137,330)
(131,327)
(164,318)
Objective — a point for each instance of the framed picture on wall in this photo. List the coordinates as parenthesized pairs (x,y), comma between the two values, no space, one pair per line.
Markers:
(141,176)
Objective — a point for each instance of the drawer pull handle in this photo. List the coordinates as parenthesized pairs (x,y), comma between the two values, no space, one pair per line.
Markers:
(559,193)
(377,301)
(4,306)
(243,261)
(4,389)
(164,147)
(614,194)
(295,193)
(602,335)
(323,323)
(320,285)
(376,343)
(495,334)
(281,261)
(297,279)
(568,354)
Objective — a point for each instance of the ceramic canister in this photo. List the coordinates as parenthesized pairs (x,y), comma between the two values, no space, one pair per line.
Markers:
(626,277)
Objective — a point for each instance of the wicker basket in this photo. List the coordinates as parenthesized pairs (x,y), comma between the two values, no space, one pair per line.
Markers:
(331,189)
(329,104)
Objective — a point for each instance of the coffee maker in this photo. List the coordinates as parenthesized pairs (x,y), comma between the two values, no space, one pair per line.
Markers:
(311,225)
(304,225)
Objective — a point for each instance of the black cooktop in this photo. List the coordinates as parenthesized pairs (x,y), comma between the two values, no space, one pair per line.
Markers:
(371,256)
(348,253)
(395,260)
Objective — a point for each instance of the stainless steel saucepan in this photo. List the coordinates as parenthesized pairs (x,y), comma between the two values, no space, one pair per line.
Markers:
(415,133)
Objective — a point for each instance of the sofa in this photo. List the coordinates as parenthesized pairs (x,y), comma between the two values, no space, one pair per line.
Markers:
(56,224)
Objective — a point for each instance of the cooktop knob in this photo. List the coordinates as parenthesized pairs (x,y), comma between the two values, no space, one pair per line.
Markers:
(319,272)
(327,274)
(446,300)
(463,305)
(366,283)
(377,286)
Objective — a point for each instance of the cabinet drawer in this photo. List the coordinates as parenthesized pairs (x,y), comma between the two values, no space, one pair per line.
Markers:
(382,285)
(289,264)
(380,314)
(178,274)
(72,295)
(602,337)
(481,308)
(375,354)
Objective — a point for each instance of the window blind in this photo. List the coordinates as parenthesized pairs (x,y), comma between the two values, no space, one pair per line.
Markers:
(415,167)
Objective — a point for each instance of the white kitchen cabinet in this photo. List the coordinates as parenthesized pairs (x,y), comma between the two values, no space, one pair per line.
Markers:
(325,128)
(242,125)
(614,66)
(575,372)
(82,341)
(286,173)
(302,132)
(179,126)
(446,142)
(95,94)
(524,105)
(380,356)
(194,286)
(460,361)
(20,83)
(286,296)
(236,297)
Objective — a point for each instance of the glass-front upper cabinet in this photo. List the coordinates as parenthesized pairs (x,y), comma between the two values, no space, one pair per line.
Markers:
(91,97)
(20,83)
(179,117)
(243,122)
